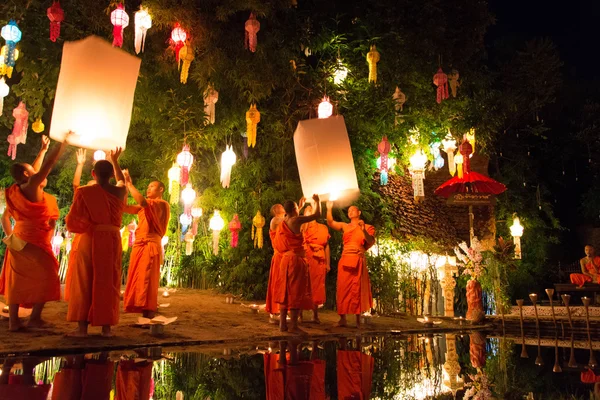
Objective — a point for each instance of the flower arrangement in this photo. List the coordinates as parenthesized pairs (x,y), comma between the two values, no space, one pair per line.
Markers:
(479,388)
(471,258)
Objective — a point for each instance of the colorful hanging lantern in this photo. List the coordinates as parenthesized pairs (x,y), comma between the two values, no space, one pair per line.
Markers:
(99,155)
(56,15)
(216,224)
(124,238)
(252,28)
(189,243)
(466,150)
(471,138)
(228,159)
(399,100)
(12,34)
(143,22)
(234,227)
(383,148)
(453,80)
(57,241)
(174,176)
(449,146)
(340,73)
(458,159)
(131,229)
(196,214)
(258,222)
(440,79)
(178,38)
(252,120)
(417,169)
(325,108)
(187,56)
(120,20)
(211,96)
(185,159)
(516,231)
(438,160)
(373,57)
(4,91)
(188,195)
(185,220)
(38,126)
(19,132)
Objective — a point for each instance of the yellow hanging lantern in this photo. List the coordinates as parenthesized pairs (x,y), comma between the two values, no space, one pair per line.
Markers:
(216,224)
(186,54)
(38,126)
(373,57)
(417,168)
(471,138)
(174,174)
(189,243)
(125,238)
(458,160)
(258,223)
(252,120)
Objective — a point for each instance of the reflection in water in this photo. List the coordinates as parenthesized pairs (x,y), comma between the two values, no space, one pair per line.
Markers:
(412,367)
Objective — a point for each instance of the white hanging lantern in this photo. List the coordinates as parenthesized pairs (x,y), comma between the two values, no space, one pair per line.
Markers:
(99,155)
(449,146)
(4,90)
(228,159)
(438,160)
(516,230)
(216,224)
(143,22)
(417,168)
(188,195)
(340,74)
(185,219)
(57,241)
(325,108)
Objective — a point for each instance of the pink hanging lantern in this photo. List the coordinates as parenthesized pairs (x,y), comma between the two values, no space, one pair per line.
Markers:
(178,38)
(440,79)
(252,28)
(19,132)
(234,227)
(56,15)
(120,20)
(131,228)
(185,159)
(57,241)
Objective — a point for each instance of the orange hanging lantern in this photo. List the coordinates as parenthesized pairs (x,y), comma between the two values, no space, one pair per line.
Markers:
(252,120)
(178,38)
(120,20)
(252,28)
(185,159)
(440,79)
(187,56)
(56,15)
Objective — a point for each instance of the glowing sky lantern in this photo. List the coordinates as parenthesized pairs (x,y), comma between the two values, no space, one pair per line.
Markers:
(178,38)
(56,15)
(99,155)
(325,108)
(4,91)
(185,159)
(516,231)
(120,20)
(252,27)
(216,225)
(449,146)
(143,22)
(12,34)
(94,94)
(417,168)
(228,159)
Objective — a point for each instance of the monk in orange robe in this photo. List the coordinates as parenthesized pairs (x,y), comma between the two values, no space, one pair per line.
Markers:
(274,375)
(354,374)
(141,292)
(278,214)
(96,215)
(353,284)
(83,380)
(590,268)
(30,272)
(317,379)
(292,289)
(316,237)
(134,380)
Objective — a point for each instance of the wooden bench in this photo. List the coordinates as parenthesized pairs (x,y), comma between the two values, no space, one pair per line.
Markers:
(592,288)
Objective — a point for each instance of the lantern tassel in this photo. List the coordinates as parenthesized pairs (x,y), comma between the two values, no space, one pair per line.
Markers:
(451,164)
(215,236)
(185,176)
(54,31)
(140,39)
(117,36)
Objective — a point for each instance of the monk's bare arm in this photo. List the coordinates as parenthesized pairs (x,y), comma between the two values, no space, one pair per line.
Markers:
(6,225)
(584,270)
(368,238)
(328,257)
(298,221)
(338,226)
(114,159)
(137,196)
(37,164)
(132,209)
(36,180)
(79,169)
(275,222)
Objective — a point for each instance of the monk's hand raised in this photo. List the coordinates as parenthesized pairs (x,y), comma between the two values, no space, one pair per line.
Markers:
(81,156)
(330,204)
(45,143)
(127,177)
(316,198)
(115,154)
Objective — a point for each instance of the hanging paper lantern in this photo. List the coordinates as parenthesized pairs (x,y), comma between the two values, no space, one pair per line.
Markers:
(189,243)
(12,34)
(258,222)
(56,15)
(516,231)
(466,150)
(185,220)
(471,138)
(187,56)
(234,227)
(252,120)
(19,132)
(373,57)
(449,146)
(188,195)
(438,160)
(453,80)
(196,214)
(325,108)
(174,176)
(178,38)
(131,228)
(57,241)
(216,224)
(143,22)
(99,155)
(4,91)
(120,20)
(440,79)
(417,169)
(252,28)
(383,148)
(185,159)
(164,241)
(399,100)
(228,159)
(38,126)
(458,160)
(340,73)
(124,238)
(69,243)
(211,96)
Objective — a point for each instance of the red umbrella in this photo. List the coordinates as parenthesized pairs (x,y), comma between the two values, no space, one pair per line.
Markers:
(471,182)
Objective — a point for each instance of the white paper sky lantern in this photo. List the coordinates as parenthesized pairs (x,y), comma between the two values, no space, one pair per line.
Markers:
(325,162)
(99,155)
(94,95)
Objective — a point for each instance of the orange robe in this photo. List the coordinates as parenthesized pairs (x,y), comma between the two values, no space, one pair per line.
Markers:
(133,380)
(272,307)
(30,276)
(292,288)
(141,292)
(274,377)
(16,390)
(91,383)
(581,279)
(353,284)
(95,263)
(316,237)
(297,381)
(354,374)
(317,380)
